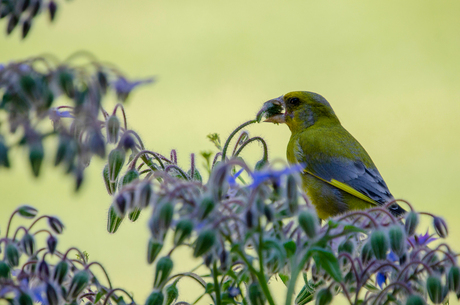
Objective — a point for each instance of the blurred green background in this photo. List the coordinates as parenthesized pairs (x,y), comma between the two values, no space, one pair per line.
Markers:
(390,69)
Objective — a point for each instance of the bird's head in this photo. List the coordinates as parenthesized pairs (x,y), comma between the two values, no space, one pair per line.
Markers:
(302,109)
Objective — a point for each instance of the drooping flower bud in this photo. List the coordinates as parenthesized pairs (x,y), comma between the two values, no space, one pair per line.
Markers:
(79,282)
(55,224)
(366,253)
(204,242)
(165,215)
(379,243)
(110,186)
(52,294)
(411,223)
(260,165)
(346,247)
(415,299)
(292,194)
(453,279)
(308,221)
(250,218)
(113,129)
(183,231)
(52,8)
(12,255)
(116,161)
(144,195)
(162,271)
(127,141)
(4,270)
(51,242)
(434,289)
(205,208)
(323,297)
(255,294)
(129,177)
(25,299)
(26,25)
(172,293)
(113,220)
(27,211)
(440,226)
(4,161)
(269,213)
(96,143)
(134,214)
(28,244)
(154,248)
(120,204)
(155,298)
(36,155)
(43,270)
(60,271)
(397,239)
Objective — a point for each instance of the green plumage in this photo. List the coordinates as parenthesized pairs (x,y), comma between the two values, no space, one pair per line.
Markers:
(339,175)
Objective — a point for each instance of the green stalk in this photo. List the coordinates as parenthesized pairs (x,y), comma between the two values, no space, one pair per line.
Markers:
(295,270)
(216,283)
(261,274)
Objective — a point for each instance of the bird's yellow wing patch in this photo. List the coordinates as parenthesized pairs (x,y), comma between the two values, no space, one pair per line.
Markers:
(346,188)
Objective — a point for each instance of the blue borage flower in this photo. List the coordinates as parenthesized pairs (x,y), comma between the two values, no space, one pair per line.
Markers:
(273,175)
(421,240)
(232,179)
(234,292)
(381,277)
(123,86)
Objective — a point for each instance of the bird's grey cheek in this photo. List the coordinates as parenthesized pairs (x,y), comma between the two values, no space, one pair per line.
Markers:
(289,115)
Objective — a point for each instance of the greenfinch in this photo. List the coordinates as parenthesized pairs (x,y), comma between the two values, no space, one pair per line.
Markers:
(338,174)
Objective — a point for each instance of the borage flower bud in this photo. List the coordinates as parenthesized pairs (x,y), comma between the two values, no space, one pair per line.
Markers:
(102,80)
(61,152)
(153,250)
(260,165)
(127,142)
(162,271)
(255,294)
(110,186)
(25,299)
(440,226)
(120,204)
(308,221)
(28,244)
(79,282)
(51,242)
(346,247)
(292,194)
(223,258)
(113,220)
(52,294)
(379,243)
(26,25)
(4,270)
(269,213)
(366,253)
(250,218)
(113,129)
(453,279)
(411,223)
(134,214)
(434,289)
(397,240)
(4,161)
(52,8)
(115,163)
(165,215)
(12,255)
(172,293)
(35,8)
(415,299)
(324,297)
(60,271)
(206,206)
(43,270)
(27,211)
(183,231)
(130,176)
(12,23)
(96,143)
(155,298)
(144,195)
(36,155)
(205,241)
(55,224)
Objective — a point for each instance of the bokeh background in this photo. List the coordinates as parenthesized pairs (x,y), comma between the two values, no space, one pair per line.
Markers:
(390,69)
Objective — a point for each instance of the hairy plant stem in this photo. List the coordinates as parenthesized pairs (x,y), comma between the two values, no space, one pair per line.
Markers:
(230,137)
(261,273)
(295,270)
(216,283)
(262,141)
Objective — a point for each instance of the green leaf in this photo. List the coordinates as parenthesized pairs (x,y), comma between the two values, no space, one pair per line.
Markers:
(327,260)
(290,248)
(284,278)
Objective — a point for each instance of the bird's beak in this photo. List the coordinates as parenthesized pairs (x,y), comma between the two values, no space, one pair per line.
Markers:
(276,104)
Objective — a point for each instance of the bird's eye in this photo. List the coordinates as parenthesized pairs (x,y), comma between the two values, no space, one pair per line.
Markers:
(294,101)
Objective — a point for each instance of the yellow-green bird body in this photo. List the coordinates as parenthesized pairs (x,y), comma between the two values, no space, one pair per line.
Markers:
(338,175)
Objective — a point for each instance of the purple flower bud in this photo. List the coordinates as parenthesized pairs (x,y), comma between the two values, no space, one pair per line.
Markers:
(43,270)
(27,211)
(154,249)
(12,23)
(25,5)
(60,271)
(51,242)
(155,298)
(127,141)
(52,294)
(36,8)
(12,254)
(28,244)
(204,242)
(440,226)
(120,204)
(55,224)
(79,282)
(52,8)
(292,194)
(113,220)
(162,271)
(26,25)
(144,195)
(97,144)
(102,80)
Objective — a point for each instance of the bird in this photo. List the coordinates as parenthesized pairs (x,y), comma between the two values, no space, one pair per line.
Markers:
(338,174)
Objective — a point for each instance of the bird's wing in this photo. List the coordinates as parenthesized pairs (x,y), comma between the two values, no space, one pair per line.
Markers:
(351,176)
